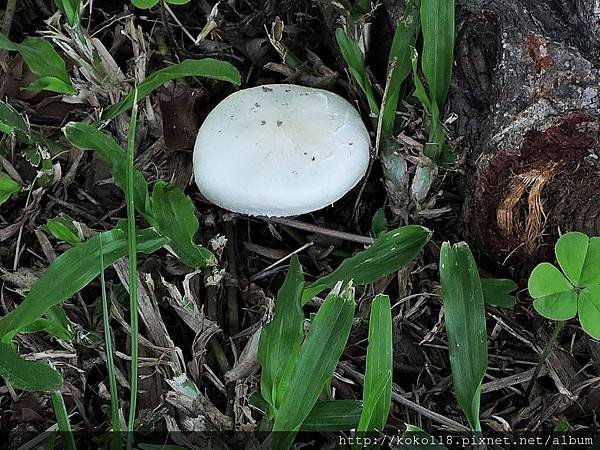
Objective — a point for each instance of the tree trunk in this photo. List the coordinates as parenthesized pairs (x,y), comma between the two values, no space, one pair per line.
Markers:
(526,89)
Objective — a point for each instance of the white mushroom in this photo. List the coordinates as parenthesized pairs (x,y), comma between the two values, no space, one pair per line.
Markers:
(280,150)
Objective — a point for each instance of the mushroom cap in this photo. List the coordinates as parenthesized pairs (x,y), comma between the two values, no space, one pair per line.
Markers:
(280,150)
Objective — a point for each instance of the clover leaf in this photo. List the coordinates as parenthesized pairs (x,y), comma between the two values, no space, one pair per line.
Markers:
(562,295)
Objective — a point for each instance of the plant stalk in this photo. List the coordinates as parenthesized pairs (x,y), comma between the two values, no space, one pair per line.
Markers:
(558,326)
(131,238)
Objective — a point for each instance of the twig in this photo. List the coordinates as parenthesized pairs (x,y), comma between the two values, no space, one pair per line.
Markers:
(279,261)
(320,230)
(396,396)
(7,18)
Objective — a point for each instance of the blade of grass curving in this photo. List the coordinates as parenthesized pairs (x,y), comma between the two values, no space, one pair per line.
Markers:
(437,22)
(62,419)
(400,63)
(315,364)
(464,312)
(333,415)
(108,349)
(87,137)
(27,375)
(133,278)
(280,339)
(390,252)
(377,390)
(175,217)
(71,272)
(355,59)
(206,68)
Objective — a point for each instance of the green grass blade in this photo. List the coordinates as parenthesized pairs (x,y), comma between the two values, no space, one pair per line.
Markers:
(315,364)
(87,137)
(390,252)
(71,272)
(400,63)
(27,375)
(280,339)
(355,59)
(62,419)
(110,364)
(43,61)
(207,68)
(464,313)
(437,22)
(333,415)
(175,216)
(133,276)
(377,391)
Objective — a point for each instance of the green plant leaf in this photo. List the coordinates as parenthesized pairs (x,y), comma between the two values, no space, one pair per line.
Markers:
(589,311)
(8,187)
(87,137)
(178,2)
(70,9)
(571,250)
(332,416)
(377,390)
(207,68)
(379,224)
(71,272)
(555,297)
(27,375)
(496,292)
(399,62)
(355,59)
(464,312)
(280,339)
(52,328)
(43,61)
(579,258)
(315,364)
(561,306)
(546,280)
(175,217)
(144,4)
(390,252)
(63,230)
(11,120)
(437,22)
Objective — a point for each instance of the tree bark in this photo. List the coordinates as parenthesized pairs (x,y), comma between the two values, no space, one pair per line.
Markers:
(526,90)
